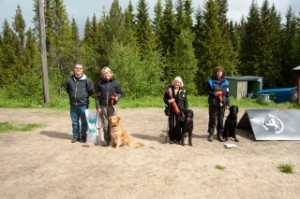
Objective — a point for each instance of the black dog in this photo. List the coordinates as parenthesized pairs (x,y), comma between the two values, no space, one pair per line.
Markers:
(188,126)
(230,123)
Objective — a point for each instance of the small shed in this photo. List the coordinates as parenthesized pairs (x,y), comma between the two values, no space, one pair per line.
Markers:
(244,86)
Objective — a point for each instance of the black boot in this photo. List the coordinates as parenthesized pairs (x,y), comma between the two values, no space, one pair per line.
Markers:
(220,137)
(83,139)
(210,137)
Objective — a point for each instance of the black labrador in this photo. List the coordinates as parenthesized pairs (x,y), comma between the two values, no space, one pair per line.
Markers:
(230,123)
(188,126)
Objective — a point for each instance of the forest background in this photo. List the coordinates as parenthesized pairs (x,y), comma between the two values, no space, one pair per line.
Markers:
(146,54)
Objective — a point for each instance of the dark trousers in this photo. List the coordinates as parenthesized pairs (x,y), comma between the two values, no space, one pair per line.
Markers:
(216,117)
(175,128)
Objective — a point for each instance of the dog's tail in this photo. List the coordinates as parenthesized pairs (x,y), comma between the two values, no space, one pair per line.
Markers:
(138,144)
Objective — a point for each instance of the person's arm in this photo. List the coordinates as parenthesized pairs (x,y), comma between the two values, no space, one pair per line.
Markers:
(118,91)
(67,86)
(97,97)
(90,87)
(166,97)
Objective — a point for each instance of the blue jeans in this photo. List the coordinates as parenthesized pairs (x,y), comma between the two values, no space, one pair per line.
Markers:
(78,113)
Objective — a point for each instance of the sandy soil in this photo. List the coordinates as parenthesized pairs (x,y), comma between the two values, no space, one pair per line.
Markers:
(44,164)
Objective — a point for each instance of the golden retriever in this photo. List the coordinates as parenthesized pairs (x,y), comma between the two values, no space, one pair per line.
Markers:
(118,136)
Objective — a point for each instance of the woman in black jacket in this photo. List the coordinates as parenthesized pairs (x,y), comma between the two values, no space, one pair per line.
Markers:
(176,104)
(108,92)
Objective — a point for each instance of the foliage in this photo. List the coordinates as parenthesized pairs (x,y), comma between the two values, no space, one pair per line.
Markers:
(7,127)
(220,167)
(146,54)
(286,168)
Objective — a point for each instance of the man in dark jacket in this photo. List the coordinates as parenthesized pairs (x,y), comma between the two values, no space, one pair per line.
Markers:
(79,88)
(218,99)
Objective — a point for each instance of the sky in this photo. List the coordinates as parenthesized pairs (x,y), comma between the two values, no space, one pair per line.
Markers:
(81,9)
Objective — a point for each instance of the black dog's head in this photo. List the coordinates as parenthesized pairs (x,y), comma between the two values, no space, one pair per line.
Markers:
(189,114)
(233,110)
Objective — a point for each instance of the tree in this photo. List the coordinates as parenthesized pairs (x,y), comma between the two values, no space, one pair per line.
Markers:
(250,44)
(9,60)
(289,49)
(143,28)
(185,63)
(229,55)
(19,27)
(167,38)
(212,47)
(269,63)
(157,25)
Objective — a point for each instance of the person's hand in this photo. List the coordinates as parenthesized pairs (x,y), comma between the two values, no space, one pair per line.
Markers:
(171,100)
(217,93)
(99,110)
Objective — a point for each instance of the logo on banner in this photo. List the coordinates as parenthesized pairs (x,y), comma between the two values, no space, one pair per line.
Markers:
(273,124)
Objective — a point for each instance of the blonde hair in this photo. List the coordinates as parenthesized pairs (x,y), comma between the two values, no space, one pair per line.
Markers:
(106,69)
(178,79)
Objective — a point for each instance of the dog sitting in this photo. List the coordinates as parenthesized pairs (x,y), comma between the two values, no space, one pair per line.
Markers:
(118,136)
(188,126)
(230,123)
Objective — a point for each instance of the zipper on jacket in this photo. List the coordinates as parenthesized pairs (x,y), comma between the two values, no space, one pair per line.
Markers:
(76,92)
(107,94)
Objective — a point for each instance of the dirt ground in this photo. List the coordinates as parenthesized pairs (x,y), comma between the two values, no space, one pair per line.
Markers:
(44,163)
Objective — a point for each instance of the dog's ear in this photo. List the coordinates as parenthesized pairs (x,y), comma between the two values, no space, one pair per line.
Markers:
(119,118)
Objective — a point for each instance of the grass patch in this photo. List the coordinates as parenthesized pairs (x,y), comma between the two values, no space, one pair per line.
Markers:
(8,127)
(220,167)
(286,168)
(146,102)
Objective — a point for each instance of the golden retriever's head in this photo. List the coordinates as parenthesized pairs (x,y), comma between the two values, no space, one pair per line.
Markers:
(114,120)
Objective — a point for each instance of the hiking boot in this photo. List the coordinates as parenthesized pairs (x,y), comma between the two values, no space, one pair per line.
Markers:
(210,137)
(220,137)
(83,139)
(74,140)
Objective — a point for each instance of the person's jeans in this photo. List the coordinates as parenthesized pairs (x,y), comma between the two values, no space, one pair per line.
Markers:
(78,113)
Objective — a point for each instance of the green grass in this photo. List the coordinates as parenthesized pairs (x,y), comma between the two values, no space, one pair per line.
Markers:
(8,127)
(286,168)
(220,167)
(144,102)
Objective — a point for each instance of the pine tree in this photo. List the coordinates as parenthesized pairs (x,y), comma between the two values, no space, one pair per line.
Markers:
(250,43)
(129,25)
(289,49)
(19,27)
(9,60)
(199,32)
(212,46)
(29,86)
(75,38)
(167,38)
(157,25)
(185,63)
(270,46)
(229,55)
(143,27)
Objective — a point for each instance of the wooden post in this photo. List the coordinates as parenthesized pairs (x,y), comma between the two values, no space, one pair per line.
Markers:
(43,51)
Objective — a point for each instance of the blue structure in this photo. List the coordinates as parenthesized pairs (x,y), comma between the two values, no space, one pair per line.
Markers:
(279,94)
